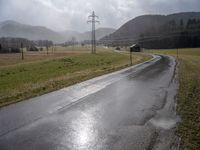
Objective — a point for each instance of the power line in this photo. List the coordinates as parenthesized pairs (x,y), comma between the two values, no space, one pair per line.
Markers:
(93,20)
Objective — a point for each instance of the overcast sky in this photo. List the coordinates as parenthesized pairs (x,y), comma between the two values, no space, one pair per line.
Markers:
(72,14)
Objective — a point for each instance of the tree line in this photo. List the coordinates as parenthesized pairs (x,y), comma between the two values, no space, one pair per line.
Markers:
(173,35)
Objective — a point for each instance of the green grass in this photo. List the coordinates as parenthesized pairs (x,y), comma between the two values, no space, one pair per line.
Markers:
(188,98)
(24,80)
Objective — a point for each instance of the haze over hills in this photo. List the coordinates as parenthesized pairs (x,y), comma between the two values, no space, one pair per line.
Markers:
(153,25)
(133,31)
(14,29)
(100,33)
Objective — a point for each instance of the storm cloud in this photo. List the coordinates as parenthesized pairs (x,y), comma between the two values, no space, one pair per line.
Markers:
(72,14)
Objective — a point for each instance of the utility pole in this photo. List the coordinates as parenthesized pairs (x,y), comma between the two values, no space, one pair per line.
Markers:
(52,49)
(93,21)
(73,42)
(177,53)
(47,47)
(22,51)
(131,59)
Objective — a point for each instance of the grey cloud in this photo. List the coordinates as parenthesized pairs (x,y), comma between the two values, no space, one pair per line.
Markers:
(72,14)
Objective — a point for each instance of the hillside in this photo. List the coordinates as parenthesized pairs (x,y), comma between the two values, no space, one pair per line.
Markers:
(15,29)
(149,26)
(100,33)
(69,34)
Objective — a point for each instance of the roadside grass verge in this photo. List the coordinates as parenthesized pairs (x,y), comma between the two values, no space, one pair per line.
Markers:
(28,79)
(188,97)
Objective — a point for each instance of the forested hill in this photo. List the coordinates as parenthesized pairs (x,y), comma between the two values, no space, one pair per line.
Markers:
(159,31)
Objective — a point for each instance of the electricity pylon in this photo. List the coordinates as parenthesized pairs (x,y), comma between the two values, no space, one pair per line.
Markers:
(93,21)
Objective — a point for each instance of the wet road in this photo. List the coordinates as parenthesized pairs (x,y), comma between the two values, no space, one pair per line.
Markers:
(132,109)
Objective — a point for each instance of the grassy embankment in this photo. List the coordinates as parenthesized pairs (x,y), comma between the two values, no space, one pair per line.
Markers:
(188,96)
(39,73)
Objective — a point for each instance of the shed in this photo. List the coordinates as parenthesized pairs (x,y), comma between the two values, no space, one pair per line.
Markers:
(135,48)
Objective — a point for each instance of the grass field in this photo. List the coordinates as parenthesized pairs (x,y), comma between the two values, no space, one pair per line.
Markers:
(9,59)
(188,96)
(40,73)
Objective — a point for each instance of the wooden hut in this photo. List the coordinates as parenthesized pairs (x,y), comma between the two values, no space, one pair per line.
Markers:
(135,48)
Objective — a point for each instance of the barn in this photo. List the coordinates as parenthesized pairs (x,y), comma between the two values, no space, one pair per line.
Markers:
(135,48)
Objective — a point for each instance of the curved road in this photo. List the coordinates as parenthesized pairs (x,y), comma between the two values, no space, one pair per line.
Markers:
(132,109)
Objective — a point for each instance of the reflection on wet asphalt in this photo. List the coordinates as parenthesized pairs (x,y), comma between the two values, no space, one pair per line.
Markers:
(130,109)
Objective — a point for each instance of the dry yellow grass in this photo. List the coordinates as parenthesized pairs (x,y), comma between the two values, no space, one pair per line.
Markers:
(58,52)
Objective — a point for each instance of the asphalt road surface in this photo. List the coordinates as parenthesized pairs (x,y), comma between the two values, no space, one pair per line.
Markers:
(132,109)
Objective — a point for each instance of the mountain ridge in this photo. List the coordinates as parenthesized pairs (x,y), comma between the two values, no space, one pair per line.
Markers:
(150,25)
(11,28)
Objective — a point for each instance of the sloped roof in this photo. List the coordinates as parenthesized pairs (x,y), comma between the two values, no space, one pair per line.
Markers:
(134,45)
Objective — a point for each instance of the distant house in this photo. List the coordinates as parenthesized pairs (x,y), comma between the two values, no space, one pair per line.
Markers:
(135,48)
